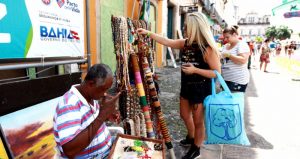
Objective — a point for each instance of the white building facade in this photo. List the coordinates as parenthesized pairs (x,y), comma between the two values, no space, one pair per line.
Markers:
(253,25)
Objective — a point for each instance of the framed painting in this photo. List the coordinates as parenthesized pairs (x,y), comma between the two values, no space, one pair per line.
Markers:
(29,131)
(5,152)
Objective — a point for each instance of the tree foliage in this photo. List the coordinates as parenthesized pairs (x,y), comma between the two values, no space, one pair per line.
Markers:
(271,32)
(281,32)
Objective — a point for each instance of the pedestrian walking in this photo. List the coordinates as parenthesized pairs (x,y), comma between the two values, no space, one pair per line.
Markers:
(291,48)
(265,52)
(251,47)
(235,56)
(286,47)
(278,48)
(199,58)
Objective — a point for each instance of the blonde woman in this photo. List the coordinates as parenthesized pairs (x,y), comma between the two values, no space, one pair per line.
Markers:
(199,58)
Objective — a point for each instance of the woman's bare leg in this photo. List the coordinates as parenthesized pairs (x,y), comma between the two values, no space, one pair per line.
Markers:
(198,117)
(266,64)
(186,116)
(261,63)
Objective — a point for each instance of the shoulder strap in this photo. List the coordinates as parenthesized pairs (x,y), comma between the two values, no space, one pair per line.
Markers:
(222,82)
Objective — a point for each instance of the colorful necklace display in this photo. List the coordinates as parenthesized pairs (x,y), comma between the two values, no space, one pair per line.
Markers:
(135,51)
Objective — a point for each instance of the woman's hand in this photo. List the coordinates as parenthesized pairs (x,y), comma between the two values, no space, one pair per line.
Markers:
(225,55)
(142,31)
(188,68)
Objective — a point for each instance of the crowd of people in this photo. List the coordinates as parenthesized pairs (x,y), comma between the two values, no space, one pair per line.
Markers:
(290,48)
(79,121)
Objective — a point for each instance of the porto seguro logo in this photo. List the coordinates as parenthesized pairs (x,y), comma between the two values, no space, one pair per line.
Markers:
(72,6)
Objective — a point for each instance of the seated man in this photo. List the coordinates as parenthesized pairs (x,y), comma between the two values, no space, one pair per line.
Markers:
(79,121)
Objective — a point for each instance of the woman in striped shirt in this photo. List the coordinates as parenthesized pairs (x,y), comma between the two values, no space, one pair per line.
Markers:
(235,58)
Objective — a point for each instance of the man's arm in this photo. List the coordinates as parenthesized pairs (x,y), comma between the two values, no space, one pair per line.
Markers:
(84,138)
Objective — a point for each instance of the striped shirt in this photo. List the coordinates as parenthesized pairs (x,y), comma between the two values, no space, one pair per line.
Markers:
(73,115)
(232,72)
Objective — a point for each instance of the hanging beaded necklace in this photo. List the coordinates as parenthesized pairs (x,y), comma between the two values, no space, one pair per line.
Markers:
(126,42)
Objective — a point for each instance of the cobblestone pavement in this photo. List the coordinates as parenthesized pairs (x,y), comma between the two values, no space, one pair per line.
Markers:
(169,83)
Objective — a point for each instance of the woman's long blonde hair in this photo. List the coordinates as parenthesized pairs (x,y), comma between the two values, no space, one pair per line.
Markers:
(199,31)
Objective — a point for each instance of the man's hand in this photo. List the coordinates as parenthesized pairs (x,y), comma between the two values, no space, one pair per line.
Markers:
(115,117)
(108,105)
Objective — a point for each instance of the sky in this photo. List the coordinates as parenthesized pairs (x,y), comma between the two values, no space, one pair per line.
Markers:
(264,7)
(260,6)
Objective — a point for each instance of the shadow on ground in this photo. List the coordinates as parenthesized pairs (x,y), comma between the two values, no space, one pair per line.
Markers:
(169,82)
(256,140)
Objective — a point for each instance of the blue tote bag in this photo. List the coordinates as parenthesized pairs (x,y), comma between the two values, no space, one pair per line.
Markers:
(224,116)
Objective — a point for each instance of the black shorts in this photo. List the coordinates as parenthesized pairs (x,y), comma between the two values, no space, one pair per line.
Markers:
(195,93)
(235,87)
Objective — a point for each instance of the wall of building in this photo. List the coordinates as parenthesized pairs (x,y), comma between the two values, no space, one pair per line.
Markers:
(93,30)
(254,30)
(132,8)
(230,13)
(162,12)
(107,9)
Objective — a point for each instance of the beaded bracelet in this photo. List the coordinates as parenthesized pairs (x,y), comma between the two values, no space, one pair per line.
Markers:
(148,34)
(227,55)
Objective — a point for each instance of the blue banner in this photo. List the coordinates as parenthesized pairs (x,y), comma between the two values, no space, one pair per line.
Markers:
(41,28)
(15,29)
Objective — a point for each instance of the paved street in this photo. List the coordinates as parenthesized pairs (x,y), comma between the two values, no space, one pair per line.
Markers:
(272,112)
(271,115)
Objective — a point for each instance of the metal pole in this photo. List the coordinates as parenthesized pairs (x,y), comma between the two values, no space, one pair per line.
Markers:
(88,33)
(39,64)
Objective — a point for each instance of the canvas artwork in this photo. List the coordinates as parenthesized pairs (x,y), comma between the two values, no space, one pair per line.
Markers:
(132,147)
(29,131)
(3,153)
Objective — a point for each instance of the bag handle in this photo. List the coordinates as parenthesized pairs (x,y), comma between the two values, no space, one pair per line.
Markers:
(222,82)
